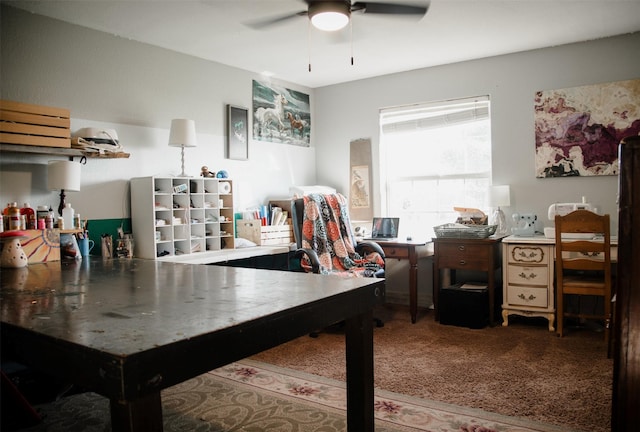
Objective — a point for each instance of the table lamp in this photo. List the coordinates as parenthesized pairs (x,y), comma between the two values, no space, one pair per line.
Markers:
(183,134)
(63,176)
(500,196)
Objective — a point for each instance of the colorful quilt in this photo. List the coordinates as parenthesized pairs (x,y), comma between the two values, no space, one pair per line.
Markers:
(326,229)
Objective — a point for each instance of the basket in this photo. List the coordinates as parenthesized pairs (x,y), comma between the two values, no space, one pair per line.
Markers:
(454,230)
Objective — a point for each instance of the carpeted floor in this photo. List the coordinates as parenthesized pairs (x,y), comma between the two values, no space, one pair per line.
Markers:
(521,370)
(254,396)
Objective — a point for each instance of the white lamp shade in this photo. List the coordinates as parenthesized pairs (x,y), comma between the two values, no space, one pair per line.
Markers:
(183,133)
(500,196)
(63,175)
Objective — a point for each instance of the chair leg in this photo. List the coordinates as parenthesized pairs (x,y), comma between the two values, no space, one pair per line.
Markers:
(560,314)
(607,321)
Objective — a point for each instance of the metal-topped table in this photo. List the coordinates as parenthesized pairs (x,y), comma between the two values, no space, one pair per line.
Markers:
(129,328)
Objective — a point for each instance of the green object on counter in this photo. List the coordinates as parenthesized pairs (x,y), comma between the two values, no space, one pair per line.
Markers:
(98,227)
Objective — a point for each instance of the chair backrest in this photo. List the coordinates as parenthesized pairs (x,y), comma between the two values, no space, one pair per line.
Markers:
(321,224)
(585,245)
(297,219)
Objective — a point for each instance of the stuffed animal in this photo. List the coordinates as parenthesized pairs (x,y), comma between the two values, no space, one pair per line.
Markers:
(206,173)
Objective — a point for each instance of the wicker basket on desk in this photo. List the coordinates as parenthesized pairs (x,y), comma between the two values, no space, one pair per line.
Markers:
(454,230)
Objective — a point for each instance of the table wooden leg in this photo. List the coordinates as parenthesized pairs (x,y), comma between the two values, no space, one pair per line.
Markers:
(413,284)
(359,355)
(492,291)
(144,414)
(436,290)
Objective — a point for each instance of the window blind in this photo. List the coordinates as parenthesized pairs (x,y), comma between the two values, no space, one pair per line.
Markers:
(434,115)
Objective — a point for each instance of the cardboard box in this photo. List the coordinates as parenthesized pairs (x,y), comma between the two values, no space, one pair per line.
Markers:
(269,235)
(35,125)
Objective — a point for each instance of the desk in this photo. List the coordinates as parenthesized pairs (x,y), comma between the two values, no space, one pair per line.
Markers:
(407,250)
(528,277)
(220,256)
(127,329)
(466,254)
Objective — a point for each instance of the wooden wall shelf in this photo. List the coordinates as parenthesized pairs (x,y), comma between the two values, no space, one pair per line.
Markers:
(57,151)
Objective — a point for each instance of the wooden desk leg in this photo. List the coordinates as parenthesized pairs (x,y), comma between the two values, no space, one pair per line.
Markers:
(492,288)
(359,354)
(413,284)
(436,290)
(143,414)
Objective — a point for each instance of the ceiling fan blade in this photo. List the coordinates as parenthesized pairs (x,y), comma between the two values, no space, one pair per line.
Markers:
(269,22)
(389,8)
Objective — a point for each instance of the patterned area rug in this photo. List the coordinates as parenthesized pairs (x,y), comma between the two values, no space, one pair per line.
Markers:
(255,396)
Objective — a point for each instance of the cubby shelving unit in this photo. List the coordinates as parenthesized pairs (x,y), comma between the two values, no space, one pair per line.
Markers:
(174,216)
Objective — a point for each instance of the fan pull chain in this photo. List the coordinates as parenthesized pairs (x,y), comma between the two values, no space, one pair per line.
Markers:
(351,36)
(309,43)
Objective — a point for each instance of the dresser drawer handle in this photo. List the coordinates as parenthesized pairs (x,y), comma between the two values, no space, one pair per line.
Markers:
(461,247)
(529,276)
(462,262)
(523,297)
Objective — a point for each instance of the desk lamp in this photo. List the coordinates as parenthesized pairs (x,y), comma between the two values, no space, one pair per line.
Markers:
(63,176)
(500,196)
(183,134)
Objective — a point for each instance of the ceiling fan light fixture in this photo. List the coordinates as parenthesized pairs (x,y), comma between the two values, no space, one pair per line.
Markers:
(330,15)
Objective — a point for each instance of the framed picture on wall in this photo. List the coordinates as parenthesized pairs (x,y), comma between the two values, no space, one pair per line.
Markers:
(237,133)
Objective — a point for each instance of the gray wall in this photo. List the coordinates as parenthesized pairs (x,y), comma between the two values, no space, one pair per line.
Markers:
(511,81)
(107,81)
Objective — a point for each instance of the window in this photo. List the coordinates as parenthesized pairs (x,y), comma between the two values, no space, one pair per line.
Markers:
(434,157)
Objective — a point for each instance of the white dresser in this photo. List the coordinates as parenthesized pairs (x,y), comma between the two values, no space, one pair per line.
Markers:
(528,274)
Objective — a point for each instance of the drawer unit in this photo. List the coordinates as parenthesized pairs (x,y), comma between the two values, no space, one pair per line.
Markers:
(528,281)
(519,275)
(527,296)
(396,252)
(464,256)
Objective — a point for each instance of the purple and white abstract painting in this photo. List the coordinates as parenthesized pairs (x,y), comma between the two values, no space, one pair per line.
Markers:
(578,129)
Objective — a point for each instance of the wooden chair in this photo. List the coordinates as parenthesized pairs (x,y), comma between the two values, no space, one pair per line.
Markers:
(583,264)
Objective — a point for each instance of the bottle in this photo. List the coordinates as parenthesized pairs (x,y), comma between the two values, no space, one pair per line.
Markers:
(30,216)
(67,215)
(49,219)
(5,217)
(14,217)
(41,215)
(42,211)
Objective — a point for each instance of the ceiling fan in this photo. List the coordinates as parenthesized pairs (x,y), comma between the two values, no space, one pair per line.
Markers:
(332,15)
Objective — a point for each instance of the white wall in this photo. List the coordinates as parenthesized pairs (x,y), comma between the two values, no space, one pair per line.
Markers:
(350,111)
(106,81)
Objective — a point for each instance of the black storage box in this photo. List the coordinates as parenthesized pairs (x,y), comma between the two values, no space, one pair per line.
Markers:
(464,307)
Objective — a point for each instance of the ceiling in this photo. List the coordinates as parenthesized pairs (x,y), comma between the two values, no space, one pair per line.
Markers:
(451,31)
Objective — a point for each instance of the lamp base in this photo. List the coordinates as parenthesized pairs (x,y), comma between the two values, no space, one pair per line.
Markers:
(62,203)
(500,220)
(182,174)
